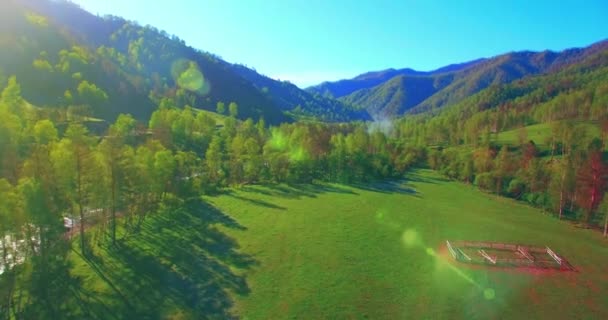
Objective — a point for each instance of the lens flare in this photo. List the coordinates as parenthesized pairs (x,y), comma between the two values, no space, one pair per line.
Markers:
(489,294)
(278,141)
(298,154)
(188,76)
(410,238)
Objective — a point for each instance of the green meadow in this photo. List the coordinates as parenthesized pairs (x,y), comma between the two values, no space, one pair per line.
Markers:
(541,134)
(328,251)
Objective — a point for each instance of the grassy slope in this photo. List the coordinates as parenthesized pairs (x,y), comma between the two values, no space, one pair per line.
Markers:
(335,252)
(338,253)
(540,133)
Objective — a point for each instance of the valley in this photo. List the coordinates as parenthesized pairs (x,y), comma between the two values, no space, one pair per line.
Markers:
(143,177)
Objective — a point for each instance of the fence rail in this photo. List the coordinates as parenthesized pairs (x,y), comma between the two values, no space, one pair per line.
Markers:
(523,255)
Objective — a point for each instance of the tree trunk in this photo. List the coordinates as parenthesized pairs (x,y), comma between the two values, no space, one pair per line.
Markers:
(80,200)
(4,254)
(561,196)
(606,225)
(572,201)
(594,196)
(113,226)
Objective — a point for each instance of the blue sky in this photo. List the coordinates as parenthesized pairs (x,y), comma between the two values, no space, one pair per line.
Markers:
(307,42)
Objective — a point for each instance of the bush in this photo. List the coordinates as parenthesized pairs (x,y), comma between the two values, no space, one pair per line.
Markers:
(485,181)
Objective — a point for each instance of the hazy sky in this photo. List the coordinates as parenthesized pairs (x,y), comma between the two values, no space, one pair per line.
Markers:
(311,41)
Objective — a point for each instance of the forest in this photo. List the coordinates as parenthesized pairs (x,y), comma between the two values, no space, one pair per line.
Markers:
(111,128)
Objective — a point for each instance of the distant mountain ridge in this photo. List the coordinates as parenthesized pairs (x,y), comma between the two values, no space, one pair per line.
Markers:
(393,92)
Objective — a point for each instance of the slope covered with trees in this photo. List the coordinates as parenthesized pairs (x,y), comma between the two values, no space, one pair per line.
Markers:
(568,176)
(104,66)
(301,103)
(391,92)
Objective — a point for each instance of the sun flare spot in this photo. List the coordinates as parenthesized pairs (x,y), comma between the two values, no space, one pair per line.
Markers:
(410,238)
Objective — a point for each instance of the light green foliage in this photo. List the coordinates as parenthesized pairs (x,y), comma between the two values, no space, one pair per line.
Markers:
(89,93)
(43,65)
(220,108)
(11,96)
(45,132)
(37,19)
(233,109)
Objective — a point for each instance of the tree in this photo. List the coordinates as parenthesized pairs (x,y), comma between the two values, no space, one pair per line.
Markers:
(11,96)
(529,152)
(164,171)
(504,167)
(467,169)
(604,210)
(562,183)
(10,219)
(591,179)
(233,109)
(83,173)
(220,108)
(253,160)
(214,161)
(236,151)
(90,94)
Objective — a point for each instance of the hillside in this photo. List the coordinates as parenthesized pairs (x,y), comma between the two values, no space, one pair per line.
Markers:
(104,66)
(298,102)
(395,92)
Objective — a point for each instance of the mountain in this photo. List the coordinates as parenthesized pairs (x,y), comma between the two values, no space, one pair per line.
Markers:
(370,79)
(65,56)
(288,97)
(395,92)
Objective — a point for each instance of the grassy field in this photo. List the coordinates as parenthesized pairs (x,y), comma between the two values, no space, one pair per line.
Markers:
(540,133)
(336,252)
(377,252)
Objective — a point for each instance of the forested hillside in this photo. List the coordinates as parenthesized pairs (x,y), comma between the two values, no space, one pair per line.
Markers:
(68,58)
(392,92)
(562,169)
(301,103)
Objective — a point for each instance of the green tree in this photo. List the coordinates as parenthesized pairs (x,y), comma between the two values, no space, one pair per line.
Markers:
(164,171)
(214,161)
(83,174)
(504,164)
(11,96)
(90,94)
(233,109)
(220,108)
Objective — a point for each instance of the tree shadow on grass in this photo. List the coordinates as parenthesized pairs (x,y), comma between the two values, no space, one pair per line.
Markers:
(296,191)
(416,177)
(179,265)
(388,187)
(211,214)
(258,202)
